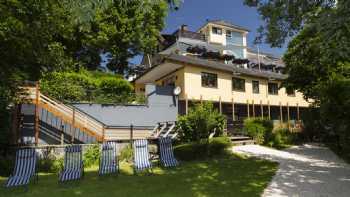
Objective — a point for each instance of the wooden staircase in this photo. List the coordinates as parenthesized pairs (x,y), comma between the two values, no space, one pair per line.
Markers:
(79,125)
(164,129)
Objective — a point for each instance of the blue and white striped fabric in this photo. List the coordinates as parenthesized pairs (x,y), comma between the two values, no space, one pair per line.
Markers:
(25,166)
(108,161)
(167,157)
(73,164)
(141,155)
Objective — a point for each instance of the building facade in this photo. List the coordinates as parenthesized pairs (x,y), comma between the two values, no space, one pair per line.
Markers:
(214,64)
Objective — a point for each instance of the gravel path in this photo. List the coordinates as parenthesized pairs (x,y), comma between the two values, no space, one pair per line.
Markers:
(307,170)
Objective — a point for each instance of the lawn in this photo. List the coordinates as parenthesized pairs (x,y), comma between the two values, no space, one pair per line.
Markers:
(225,176)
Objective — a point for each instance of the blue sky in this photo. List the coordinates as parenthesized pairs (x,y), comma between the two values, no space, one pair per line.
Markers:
(194,13)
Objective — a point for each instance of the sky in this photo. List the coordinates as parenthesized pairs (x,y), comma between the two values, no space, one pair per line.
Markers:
(194,13)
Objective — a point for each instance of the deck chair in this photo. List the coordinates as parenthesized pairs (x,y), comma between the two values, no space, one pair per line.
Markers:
(167,157)
(25,168)
(73,168)
(141,155)
(108,161)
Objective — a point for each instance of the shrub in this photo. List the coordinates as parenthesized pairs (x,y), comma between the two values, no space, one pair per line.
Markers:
(50,164)
(86,86)
(200,122)
(259,129)
(92,156)
(202,149)
(126,154)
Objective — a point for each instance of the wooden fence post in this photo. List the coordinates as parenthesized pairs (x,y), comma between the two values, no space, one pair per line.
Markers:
(72,126)
(36,113)
(233,110)
(288,116)
(186,103)
(269,109)
(281,113)
(103,133)
(261,109)
(298,114)
(62,133)
(248,111)
(131,134)
(253,108)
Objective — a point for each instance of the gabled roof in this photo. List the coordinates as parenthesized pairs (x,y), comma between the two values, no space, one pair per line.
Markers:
(225,23)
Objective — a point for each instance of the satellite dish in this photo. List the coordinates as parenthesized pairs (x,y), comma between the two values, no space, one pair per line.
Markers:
(177,91)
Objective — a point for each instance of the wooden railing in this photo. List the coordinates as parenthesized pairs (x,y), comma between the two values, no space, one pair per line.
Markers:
(67,113)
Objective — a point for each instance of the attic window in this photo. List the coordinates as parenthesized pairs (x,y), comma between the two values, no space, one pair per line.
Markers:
(217,30)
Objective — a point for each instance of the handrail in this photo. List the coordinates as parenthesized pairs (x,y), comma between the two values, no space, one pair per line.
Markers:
(81,120)
(170,130)
(161,130)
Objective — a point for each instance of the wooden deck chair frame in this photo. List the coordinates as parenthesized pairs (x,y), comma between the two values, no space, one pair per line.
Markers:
(69,152)
(166,153)
(141,145)
(109,148)
(22,154)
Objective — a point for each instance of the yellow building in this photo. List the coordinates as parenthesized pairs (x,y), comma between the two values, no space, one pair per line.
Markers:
(215,64)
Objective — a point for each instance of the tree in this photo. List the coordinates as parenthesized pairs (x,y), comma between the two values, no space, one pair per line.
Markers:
(124,30)
(41,36)
(318,56)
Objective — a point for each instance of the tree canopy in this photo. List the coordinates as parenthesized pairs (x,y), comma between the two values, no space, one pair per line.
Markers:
(318,55)
(42,36)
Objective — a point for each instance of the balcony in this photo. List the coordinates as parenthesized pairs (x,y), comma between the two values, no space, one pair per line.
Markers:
(190,34)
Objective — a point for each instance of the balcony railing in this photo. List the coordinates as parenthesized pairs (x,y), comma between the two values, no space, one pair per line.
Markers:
(190,34)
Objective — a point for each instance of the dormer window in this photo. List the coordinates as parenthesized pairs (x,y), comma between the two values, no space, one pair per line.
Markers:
(217,30)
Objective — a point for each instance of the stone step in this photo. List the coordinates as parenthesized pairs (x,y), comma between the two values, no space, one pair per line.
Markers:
(243,142)
(238,138)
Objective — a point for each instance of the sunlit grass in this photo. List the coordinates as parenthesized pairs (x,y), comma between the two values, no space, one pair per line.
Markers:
(227,176)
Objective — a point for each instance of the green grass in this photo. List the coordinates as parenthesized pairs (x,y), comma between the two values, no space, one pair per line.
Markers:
(231,175)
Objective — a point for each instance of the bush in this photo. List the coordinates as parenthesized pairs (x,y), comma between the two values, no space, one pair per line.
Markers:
(126,154)
(259,129)
(203,149)
(50,165)
(282,137)
(86,86)
(201,120)
(92,156)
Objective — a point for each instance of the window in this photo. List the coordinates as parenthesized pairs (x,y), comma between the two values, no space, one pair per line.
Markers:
(238,84)
(209,80)
(228,34)
(290,92)
(273,88)
(255,87)
(217,30)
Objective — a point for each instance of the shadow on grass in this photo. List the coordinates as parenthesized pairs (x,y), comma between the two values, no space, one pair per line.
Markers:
(225,176)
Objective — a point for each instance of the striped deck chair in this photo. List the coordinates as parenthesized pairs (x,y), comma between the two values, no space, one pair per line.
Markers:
(167,157)
(141,155)
(73,168)
(25,168)
(108,161)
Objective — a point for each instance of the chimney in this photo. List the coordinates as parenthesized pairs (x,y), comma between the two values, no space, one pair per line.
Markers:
(183,27)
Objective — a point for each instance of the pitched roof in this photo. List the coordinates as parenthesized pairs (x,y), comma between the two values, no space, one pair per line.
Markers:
(218,66)
(225,67)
